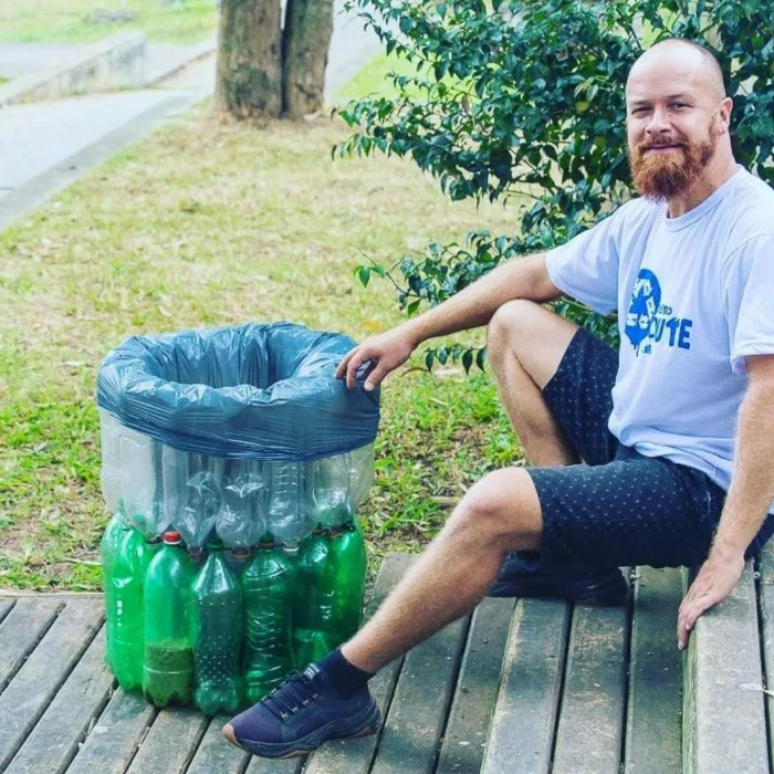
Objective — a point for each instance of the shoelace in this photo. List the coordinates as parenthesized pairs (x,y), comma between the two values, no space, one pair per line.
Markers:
(288,698)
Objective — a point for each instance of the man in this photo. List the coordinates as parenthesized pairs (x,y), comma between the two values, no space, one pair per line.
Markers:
(682,414)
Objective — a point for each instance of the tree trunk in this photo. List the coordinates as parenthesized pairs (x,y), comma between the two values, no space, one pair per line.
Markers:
(249,81)
(306,39)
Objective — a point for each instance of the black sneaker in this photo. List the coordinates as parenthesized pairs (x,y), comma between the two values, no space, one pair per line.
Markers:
(300,714)
(526,574)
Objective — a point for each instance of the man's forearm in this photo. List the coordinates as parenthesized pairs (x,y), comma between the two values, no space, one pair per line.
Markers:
(752,486)
(475,305)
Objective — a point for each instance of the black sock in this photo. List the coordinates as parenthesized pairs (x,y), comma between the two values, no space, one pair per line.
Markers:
(345,677)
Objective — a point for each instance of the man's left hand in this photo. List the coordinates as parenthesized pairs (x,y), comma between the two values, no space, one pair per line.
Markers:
(714,582)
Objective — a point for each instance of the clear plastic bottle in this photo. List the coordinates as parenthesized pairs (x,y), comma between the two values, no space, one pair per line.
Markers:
(217,635)
(331,490)
(241,519)
(361,474)
(126,598)
(111,474)
(109,549)
(315,585)
(137,455)
(267,584)
(289,503)
(202,505)
(169,662)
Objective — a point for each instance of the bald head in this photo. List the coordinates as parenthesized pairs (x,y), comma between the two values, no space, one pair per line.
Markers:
(683,60)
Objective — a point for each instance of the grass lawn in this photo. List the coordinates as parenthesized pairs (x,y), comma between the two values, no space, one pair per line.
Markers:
(85,21)
(212,223)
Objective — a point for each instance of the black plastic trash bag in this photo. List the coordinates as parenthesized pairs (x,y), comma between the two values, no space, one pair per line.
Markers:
(263,392)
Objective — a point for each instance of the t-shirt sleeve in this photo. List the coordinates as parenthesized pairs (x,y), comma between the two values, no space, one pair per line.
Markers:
(748,299)
(586,267)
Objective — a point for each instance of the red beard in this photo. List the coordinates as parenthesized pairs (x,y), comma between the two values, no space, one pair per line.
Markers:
(661,176)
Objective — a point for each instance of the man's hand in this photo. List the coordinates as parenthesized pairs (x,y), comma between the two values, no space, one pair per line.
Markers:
(715,581)
(386,352)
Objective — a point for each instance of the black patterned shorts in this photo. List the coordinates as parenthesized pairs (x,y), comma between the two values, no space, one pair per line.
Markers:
(620,507)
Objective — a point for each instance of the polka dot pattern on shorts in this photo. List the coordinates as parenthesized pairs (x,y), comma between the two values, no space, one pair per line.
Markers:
(620,507)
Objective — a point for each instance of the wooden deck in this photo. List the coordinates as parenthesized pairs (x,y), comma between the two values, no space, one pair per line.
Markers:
(527,687)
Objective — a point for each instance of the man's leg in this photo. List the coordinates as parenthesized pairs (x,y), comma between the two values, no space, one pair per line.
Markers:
(331,700)
(530,347)
(525,344)
(500,513)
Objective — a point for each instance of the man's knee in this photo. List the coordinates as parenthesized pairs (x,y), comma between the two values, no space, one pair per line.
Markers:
(511,323)
(502,508)
(536,337)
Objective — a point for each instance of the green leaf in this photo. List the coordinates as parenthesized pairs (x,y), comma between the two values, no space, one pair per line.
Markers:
(467,360)
(364,274)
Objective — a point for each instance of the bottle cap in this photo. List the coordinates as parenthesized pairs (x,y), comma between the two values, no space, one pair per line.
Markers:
(216,544)
(240,553)
(196,554)
(172,538)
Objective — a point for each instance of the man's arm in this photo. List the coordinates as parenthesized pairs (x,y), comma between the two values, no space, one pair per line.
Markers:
(749,498)
(524,278)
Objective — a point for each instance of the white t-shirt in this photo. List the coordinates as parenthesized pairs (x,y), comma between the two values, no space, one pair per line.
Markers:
(695,296)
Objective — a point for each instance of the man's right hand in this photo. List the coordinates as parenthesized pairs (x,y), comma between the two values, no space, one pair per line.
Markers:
(386,352)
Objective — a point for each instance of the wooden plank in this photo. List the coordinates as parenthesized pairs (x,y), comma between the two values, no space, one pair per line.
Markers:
(420,706)
(724,726)
(268,766)
(215,754)
(21,631)
(5,607)
(30,692)
(354,756)
(54,741)
(766,602)
(590,731)
(766,564)
(476,692)
(62,596)
(112,743)
(171,742)
(522,730)
(653,735)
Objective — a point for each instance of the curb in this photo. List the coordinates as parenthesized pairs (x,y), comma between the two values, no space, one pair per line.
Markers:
(190,55)
(114,63)
(35,192)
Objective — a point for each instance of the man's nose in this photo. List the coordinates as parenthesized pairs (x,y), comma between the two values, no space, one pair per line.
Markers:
(659,122)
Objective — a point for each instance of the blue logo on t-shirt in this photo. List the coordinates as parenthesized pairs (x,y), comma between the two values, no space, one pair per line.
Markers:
(648,318)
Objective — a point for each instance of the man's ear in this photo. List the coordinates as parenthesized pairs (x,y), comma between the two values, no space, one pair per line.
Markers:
(726,107)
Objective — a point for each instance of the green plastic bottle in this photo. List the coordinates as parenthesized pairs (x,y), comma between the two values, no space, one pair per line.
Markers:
(217,635)
(348,547)
(169,659)
(267,585)
(108,553)
(126,598)
(313,600)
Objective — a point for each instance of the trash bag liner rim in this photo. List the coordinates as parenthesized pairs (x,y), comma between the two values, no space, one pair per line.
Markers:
(302,413)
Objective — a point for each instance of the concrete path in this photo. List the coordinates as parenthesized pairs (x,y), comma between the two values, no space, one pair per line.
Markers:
(47,146)
(17,59)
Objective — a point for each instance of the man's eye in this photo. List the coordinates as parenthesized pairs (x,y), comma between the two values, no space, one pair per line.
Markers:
(678,105)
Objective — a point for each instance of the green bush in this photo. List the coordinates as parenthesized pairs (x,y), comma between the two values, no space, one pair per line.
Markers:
(526,102)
